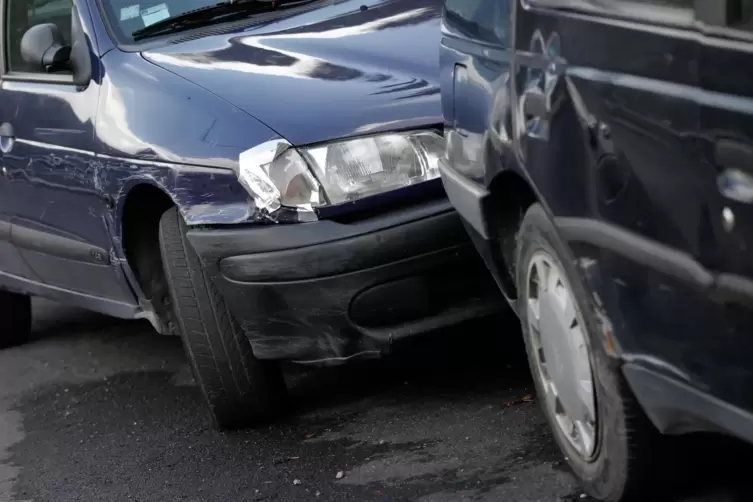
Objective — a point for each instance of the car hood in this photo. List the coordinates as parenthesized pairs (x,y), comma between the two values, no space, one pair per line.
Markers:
(343,69)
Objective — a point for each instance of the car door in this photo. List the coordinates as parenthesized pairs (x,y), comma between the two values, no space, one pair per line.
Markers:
(608,127)
(727,129)
(727,139)
(53,192)
(11,262)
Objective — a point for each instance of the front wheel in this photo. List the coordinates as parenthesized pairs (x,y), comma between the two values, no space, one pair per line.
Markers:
(240,389)
(15,310)
(606,438)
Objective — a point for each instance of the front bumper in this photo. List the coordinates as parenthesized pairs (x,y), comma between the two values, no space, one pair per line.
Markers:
(468,199)
(325,292)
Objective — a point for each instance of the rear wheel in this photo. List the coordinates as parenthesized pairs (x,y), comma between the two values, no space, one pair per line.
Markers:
(606,438)
(15,311)
(240,389)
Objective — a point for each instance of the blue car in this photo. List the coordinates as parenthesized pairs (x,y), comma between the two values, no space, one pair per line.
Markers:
(601,154)
(259,177)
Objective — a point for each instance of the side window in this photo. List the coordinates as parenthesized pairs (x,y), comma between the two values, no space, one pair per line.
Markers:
(745,20)
(736,14)
(484,20)
(666,12)
(668,3)
(674,11)
(22,15)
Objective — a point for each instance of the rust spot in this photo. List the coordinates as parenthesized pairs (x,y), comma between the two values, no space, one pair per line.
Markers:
(609,343)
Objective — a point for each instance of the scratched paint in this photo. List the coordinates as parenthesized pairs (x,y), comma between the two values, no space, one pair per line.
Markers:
(177,118)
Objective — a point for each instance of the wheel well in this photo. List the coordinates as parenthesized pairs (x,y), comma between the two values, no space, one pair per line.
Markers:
(142,211)
(512,197)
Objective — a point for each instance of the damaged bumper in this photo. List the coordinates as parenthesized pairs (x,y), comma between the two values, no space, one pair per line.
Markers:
(324,292)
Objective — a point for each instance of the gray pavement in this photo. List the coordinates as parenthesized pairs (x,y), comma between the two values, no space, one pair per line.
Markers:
(97,409)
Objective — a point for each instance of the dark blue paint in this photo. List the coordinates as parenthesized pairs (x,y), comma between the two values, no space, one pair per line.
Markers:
(635,110)
(175,114)
(328,70)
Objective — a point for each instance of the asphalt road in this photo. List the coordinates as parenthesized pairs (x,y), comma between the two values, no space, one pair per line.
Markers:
(99,409)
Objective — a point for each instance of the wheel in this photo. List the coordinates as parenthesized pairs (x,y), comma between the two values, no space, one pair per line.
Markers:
(608,441)
(240,389)
(15,311)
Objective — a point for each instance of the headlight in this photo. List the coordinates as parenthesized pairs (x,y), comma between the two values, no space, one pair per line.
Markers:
(278,175)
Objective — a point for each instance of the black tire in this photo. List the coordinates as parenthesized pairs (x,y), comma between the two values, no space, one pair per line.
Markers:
(625,464)
(240,389)
(15,310)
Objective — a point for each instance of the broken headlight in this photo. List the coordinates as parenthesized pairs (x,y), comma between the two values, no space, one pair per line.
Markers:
(278,175)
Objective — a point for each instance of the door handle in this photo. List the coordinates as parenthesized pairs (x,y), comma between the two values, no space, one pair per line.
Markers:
(535,105)
(534,108)
(7,137)
(735,158)
(732,154)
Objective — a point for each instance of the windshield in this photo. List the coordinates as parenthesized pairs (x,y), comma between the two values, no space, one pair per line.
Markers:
(127,16)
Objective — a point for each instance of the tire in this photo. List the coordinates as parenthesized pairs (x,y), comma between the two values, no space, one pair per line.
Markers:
(240,390)
(15,310)
(626,456)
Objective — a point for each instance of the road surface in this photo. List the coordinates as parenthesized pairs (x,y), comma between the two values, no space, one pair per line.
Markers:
(100,409)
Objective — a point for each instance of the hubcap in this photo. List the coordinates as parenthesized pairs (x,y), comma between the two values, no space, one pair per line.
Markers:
(561,355)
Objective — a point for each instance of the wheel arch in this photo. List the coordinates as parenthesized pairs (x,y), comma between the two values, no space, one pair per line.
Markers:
(138,236)
(511,195)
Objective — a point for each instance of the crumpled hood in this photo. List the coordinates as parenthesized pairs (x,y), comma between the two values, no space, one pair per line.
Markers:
(332,72)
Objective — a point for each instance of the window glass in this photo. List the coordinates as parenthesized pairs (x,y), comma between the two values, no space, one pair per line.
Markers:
(745,20)
(671,12)
(729,13)
(127,16)
(736,14)
(668,3)
(23,14)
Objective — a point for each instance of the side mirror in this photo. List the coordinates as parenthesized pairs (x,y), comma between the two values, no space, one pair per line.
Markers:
(44,47)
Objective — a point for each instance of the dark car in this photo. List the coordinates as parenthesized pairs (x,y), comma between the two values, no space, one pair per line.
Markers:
(601,155)
(259,177)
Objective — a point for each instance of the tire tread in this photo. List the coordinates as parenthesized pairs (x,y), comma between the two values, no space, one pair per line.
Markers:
(240,389)
(631,451)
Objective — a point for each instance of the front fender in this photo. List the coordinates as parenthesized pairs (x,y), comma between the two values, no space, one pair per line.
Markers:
(156,128)
(204,196)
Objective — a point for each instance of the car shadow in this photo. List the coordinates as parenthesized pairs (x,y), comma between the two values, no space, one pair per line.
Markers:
(484,355)
(483,360)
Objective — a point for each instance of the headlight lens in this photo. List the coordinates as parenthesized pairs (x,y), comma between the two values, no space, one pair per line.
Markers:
(351,170)
(277,175)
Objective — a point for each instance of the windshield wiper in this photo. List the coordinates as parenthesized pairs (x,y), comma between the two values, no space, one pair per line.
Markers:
(223,11)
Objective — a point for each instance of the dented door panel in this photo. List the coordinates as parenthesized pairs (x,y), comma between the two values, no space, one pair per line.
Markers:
(622,156)
(726,149)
